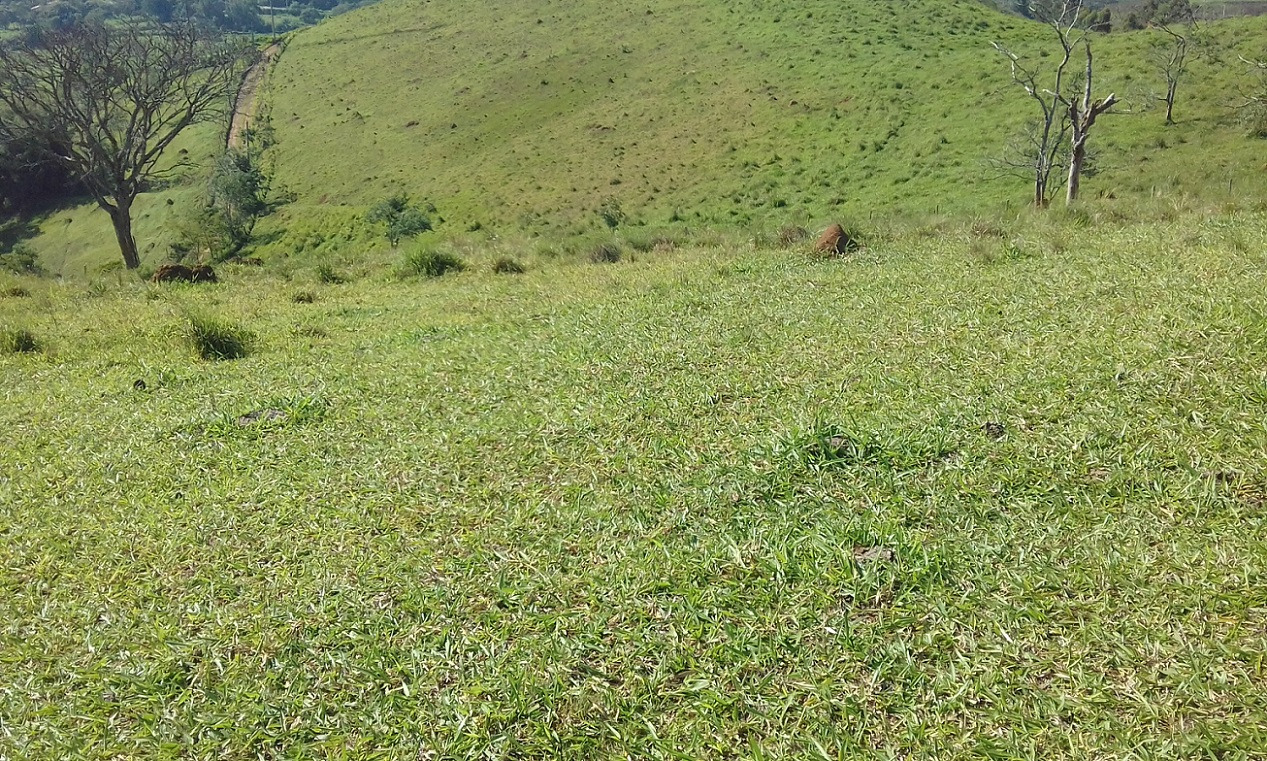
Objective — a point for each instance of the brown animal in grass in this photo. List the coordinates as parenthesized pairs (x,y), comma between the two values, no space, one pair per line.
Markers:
(835,240)
(179,273)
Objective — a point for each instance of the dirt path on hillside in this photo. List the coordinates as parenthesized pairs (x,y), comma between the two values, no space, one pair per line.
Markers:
(245,104)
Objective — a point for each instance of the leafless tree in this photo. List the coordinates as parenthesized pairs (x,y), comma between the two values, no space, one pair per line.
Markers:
(1171,56)
(1082,115)
(1063,111)
(1255,97)
(1036,152)
(1251,100)
(107,101)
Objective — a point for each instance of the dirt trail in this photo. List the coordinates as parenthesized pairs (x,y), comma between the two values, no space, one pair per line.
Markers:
(244,105)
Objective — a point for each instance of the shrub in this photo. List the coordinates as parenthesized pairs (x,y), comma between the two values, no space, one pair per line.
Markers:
(303,297)
(21,260)
(605,253)
(507,266)
(18,341)
(216,339)
(790,235)
(399,218)
(235,201)
(611,212)
(428,262)
(329,275)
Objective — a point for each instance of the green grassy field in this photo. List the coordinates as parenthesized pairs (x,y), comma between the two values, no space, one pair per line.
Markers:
(521,118)
(980,491)
(525,116)
(992,487)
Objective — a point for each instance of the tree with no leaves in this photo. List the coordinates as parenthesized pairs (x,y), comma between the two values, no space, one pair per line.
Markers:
(105,102)
(1082,115)
(1063,112)
(1169,56)
(1172,54)
(1253,101)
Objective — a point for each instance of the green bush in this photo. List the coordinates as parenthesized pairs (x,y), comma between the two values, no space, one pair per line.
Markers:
(428,262)
(399,218)
(234,200)
(20,260)
(18,341)
(216,339)
(611,212)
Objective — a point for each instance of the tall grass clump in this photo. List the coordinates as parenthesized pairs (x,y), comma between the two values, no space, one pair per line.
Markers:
(507,266)
(428,262)
(605,253)
(326,273)
(217,339)
(791,235)
(18,341)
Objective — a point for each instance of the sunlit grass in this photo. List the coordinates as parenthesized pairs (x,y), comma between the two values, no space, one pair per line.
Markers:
(705,503)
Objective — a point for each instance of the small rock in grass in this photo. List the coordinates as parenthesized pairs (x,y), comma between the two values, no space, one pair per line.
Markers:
(872,554)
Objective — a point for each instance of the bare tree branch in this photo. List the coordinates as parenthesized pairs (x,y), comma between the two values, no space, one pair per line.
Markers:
(1063,113)
(1049,93)
(1171,58)
(1082,117)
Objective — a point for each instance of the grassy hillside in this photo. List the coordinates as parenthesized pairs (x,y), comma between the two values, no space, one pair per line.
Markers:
(527,115)
(976,493)
(521,118)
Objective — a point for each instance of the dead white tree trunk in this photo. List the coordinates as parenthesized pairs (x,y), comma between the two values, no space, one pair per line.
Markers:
(1048,92)
(1254,98)
(1082,115)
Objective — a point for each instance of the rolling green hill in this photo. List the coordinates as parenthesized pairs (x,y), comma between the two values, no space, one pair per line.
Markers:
(519,119)
(531,113)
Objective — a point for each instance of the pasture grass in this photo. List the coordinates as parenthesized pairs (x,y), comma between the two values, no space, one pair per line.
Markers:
(18,341)
(426,261)
(217,339)
(533,117)
(710,503)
